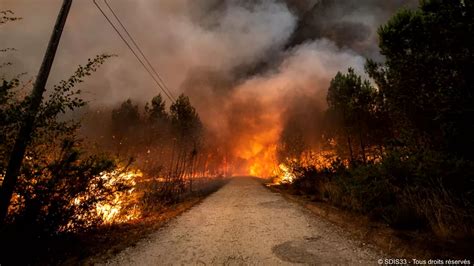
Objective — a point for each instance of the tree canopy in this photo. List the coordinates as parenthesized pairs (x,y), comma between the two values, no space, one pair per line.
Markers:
(426,80)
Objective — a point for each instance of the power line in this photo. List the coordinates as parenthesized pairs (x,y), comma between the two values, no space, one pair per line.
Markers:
(131,49)
(139,49)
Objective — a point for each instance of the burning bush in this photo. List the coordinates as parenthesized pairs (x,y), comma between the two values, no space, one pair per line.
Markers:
(72,193)
(60,187)
(110,198)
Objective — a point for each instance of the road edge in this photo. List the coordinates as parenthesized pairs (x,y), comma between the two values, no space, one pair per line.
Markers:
(394,243)
(142,230)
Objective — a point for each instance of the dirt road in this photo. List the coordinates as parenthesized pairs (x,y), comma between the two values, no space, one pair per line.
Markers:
(245,223)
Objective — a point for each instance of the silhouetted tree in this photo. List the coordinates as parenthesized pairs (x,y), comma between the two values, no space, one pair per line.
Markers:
(351,102)
(126,123)
(156,111)
(426,80)
(185,119)
(188,129)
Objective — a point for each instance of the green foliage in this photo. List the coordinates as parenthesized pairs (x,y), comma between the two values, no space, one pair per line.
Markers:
(352,107)
(56,168)
(427,81)
(45,194)
(348,93)
(405,147)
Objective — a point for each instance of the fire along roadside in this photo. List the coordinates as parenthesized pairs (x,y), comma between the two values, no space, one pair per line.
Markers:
(36,97)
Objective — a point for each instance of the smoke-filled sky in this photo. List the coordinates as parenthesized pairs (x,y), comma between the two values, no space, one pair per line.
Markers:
(242,62)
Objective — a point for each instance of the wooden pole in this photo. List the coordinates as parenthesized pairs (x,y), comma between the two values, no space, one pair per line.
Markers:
(27,127)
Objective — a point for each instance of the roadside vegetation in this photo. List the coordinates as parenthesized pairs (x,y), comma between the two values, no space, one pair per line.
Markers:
(75,193)
(397,142)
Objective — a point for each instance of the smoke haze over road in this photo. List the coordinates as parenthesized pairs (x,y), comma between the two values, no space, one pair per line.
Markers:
(243,63)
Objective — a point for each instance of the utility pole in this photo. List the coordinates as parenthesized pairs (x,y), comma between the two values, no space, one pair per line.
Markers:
(27,127)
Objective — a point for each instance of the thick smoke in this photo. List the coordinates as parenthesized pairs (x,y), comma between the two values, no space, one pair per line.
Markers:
(245,64)
(350,24)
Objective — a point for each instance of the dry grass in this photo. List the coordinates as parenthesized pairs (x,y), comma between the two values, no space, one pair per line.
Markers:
(446,217)
(396,243)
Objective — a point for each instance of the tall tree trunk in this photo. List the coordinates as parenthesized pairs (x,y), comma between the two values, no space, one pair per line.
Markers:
(349,143)
(362,148)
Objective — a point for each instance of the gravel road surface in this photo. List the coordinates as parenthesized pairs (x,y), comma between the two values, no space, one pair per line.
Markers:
(244,223)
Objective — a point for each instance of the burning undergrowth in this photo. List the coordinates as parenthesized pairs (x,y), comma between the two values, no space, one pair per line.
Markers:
(70,185)
(73,193)
(116,195)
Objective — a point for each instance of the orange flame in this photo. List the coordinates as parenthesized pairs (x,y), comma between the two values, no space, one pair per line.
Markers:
(119,207)
(259,154)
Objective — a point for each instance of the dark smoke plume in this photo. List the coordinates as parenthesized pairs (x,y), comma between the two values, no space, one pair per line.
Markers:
(243,63)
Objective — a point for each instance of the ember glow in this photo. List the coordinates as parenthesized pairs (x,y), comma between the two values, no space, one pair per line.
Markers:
(319,160)
(285,175)
(123,205)
(117,207)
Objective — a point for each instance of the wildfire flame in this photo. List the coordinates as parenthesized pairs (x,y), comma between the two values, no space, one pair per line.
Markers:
(119,207)
(114,210)
(285,176)
(259,152)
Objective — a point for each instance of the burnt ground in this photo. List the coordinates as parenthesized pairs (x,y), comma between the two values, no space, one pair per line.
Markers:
(245,223)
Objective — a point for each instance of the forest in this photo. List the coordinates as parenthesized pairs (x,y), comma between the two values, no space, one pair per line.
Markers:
(396,142)
(391,141)
(74,181)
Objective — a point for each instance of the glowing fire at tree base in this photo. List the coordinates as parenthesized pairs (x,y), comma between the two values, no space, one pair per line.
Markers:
(285,176)
(122,206)
(119,205)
